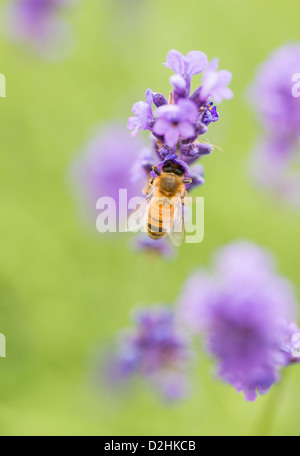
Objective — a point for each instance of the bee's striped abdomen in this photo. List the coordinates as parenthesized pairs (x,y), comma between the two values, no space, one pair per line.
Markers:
(160,214)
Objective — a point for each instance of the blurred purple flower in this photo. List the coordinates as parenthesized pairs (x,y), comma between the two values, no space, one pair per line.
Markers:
(271,92)
(160,247)
(214,83)
(156,349)
(244,309)
(273,165)
(275,159)
(37,24)
(106,166)
(197,176)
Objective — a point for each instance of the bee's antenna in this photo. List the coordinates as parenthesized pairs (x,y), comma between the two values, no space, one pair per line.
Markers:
(155,169)
(218,148)
(206,141)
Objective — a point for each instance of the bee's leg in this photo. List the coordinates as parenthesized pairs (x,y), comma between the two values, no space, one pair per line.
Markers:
(155,169)
(188,180)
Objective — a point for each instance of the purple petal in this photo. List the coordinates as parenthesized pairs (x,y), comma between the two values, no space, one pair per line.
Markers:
(222,93)
(160,127)
(209,81)
(188,110)
(175,61)
(213,65)
(167,110)
(149,97)
(172,136)
(196,61)
(141,110)
(225,77)
(227,93)
(186,130)
(134,125)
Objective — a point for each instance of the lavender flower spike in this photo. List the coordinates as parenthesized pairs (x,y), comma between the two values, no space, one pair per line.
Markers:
(176,124)
(244,309)
(155,349)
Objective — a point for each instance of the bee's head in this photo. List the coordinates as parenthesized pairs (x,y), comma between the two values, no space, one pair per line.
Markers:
(172,167)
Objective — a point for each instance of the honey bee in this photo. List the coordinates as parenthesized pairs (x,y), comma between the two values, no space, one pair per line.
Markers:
(161,212)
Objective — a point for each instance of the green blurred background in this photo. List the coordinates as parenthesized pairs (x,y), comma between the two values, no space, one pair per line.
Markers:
(65,291)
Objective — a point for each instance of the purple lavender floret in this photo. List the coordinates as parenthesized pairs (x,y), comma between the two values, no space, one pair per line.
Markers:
(176,124)
(191,152)
(176,121)
(155,349)
(210,115)
(215,83)
(244,309)
(143,116)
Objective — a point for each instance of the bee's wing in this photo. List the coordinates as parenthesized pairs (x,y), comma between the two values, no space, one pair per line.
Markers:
(177,231)
(138,218)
